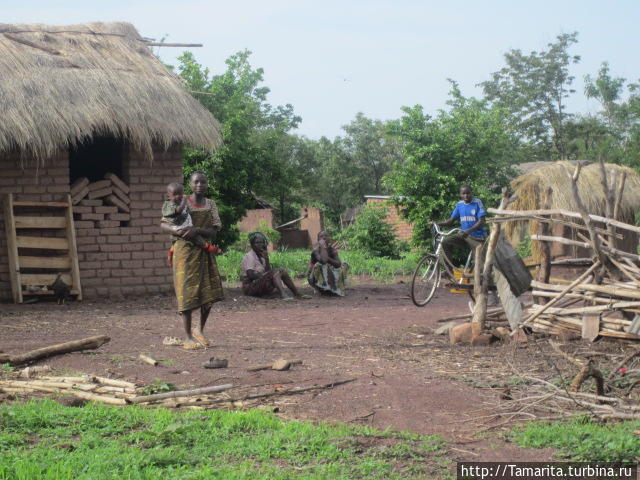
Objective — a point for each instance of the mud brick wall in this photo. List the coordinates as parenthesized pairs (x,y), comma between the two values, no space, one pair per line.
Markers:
(131,260)
(403,230)
(114,261)
(252,219)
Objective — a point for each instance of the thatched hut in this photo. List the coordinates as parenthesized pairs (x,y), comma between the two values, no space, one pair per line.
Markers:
(84,101)
(537,177)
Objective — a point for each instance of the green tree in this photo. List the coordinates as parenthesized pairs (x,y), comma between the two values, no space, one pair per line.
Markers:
(373,152)
(371,234)
(619,116)
(253,132)
(471,143)
(533,89)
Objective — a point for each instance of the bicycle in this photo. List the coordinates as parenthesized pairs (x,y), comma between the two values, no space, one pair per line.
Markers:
(431,267)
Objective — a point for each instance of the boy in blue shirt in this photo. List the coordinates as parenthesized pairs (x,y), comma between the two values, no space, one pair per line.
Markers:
(471,214)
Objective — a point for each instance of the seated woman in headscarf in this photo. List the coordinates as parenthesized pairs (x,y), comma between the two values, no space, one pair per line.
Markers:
(326,272)
(258,278)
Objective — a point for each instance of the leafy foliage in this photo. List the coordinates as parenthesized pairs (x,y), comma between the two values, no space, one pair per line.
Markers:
(371,234)
(471,143)
(253,132)
(533,89)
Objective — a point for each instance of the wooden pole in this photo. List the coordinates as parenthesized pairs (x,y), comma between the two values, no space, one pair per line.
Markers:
(545,249)
(180,393)
(74,346)
(618,201)
(569,214)
(480,308)
(555,299)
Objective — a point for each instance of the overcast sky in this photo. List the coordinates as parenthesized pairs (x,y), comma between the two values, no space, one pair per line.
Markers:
(332,59)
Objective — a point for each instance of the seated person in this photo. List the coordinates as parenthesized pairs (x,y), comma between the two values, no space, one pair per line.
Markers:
(258,278)
(326,272)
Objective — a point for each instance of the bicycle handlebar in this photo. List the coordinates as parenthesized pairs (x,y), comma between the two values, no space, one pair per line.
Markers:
(445,234)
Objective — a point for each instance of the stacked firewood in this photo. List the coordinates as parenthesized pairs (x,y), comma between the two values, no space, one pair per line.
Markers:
(101,204)
(602,301)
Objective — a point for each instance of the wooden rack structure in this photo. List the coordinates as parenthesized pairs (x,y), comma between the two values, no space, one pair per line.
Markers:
(45,256)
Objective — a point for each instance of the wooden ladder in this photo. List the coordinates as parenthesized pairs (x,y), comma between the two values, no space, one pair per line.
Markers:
(57,262)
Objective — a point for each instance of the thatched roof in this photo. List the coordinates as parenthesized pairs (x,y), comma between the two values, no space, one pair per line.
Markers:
(61,85)
(530,189)
(531,186)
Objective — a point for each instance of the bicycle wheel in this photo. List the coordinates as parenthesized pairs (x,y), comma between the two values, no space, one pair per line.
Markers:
(426,278)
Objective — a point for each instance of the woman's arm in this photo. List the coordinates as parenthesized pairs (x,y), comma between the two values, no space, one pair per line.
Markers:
(334,259)
(168,228)
(253,275)
(209,233)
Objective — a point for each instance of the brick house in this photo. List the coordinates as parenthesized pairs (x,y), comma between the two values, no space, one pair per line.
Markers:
(84,101)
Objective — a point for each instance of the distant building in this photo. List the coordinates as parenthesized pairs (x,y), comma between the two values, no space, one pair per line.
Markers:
(402,229)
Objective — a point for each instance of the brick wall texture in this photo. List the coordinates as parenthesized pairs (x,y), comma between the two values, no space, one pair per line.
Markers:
(403,230)
(114,261)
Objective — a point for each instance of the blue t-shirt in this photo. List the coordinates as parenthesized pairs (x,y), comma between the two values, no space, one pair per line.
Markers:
(469,213)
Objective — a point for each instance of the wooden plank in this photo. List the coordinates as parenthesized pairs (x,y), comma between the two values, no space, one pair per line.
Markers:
(40,222)
(590,327)
(47,292)
(47,243)
(73,250)
(40,204)
(59,262)
(43,278)
(12,248)
(117,182)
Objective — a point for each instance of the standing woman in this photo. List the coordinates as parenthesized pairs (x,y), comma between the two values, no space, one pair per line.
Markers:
(195,271)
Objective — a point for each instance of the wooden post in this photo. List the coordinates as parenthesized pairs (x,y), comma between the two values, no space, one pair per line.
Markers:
(12,246)
(480,308)
(616,205)
(545,249)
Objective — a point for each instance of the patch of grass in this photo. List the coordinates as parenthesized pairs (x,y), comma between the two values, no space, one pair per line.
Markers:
(7,368)
(158,386)
(296,263)
(582,440)
(43,439)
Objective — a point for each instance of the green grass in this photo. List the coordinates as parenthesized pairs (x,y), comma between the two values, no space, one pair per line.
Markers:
(44,440)
(582,440)
(297,261)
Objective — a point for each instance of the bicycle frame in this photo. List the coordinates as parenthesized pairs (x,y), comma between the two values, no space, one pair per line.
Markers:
(442,257)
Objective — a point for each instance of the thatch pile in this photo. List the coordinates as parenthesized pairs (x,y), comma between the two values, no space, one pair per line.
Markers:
(61,85)
(530,189)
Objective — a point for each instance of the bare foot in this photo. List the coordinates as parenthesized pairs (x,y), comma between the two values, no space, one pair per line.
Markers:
(200,338)
(191,345)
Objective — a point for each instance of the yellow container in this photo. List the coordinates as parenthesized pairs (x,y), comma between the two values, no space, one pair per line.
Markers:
(458,274)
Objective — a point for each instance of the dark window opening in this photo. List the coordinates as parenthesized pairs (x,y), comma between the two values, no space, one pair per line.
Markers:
(96,157)
(93,159)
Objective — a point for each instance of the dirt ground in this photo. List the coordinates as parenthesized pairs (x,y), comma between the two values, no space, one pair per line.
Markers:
(406,377)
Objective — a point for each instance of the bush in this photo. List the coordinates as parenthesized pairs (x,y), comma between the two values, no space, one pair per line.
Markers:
(371,234)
